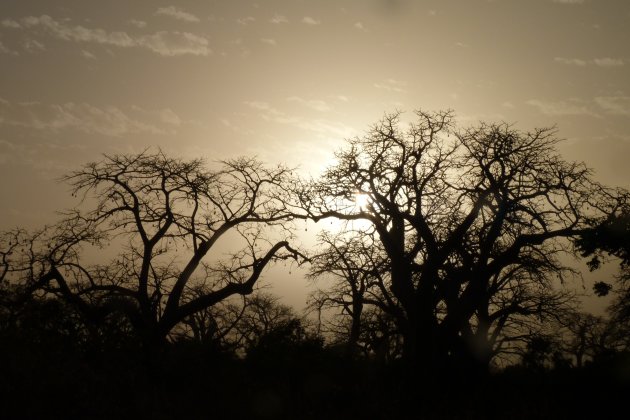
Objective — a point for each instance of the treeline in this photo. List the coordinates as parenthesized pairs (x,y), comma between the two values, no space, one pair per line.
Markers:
(451,264)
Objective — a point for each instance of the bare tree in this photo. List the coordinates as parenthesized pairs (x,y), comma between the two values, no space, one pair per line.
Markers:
(471,221)
(356,265)
(158,219)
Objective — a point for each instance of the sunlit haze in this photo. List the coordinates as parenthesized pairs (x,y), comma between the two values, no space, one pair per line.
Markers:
(288,81)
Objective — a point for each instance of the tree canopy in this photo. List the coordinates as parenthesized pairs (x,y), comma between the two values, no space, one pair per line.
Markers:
(472,222)
(156,218)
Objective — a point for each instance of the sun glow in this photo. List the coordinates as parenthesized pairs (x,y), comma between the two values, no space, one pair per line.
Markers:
(361,201)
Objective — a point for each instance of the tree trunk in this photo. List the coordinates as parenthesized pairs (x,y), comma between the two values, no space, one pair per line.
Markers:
(355,328)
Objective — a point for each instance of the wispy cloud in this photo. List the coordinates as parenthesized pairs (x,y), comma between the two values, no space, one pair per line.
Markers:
(10,23)
(322,127)
(568,1)
(138,23)
(163,43)
(246,20)
(569,107)
(177,13)
(33,46)
(310,21)
(601,62)
(359,26)
(268,41)
(612,105)
(615,105)
(608,62)
(392,85)
(277,19)
(317,105)
(88,55)
(4,49)
(109,121)
(570,61)
(235,127)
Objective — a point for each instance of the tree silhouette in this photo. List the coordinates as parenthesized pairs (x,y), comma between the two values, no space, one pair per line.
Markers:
(157,218)
(472,222)
(611,238)
(356,265)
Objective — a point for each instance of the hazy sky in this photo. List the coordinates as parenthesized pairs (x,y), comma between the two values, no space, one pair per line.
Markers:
(289,80)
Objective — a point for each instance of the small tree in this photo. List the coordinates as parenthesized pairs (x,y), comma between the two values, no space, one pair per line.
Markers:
(356,265)
(158,219)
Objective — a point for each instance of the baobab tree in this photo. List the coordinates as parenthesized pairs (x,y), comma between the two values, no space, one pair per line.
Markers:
(157,219)
(472,222)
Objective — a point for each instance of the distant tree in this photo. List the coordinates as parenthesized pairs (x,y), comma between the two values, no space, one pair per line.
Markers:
(263,316)
(472,222)
(156,219)
(587,337)
(237,325)
(356,266)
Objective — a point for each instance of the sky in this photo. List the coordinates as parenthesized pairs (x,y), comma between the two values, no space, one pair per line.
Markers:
(288,81)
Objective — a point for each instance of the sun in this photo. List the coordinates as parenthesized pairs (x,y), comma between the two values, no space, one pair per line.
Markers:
(361,201)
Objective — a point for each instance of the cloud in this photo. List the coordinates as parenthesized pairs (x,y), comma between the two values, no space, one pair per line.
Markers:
(138,23)
(268,41)
(235,128)
(246,20)
(175,43)
(317,105)
(570,107)
(33,46)
(88,55)
(569,1)
(163,43)
(108,121)
(177,13)
(322,127)
(277,19)
(392,85)
(359,26)
(570,61)
(4,49)
(615,105)
(601,62)
(608,62)
(10,23)
(169,117)
(310,21)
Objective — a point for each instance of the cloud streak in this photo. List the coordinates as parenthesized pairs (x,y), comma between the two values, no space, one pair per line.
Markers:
(164,43)
(108,121)
(569,1)
(317,105)
(600,62)
(322,127)
(177,13)
(569,107)
(611,105)
(608,62)
(278,19)
(392,85)
(310,21)
(615,105)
